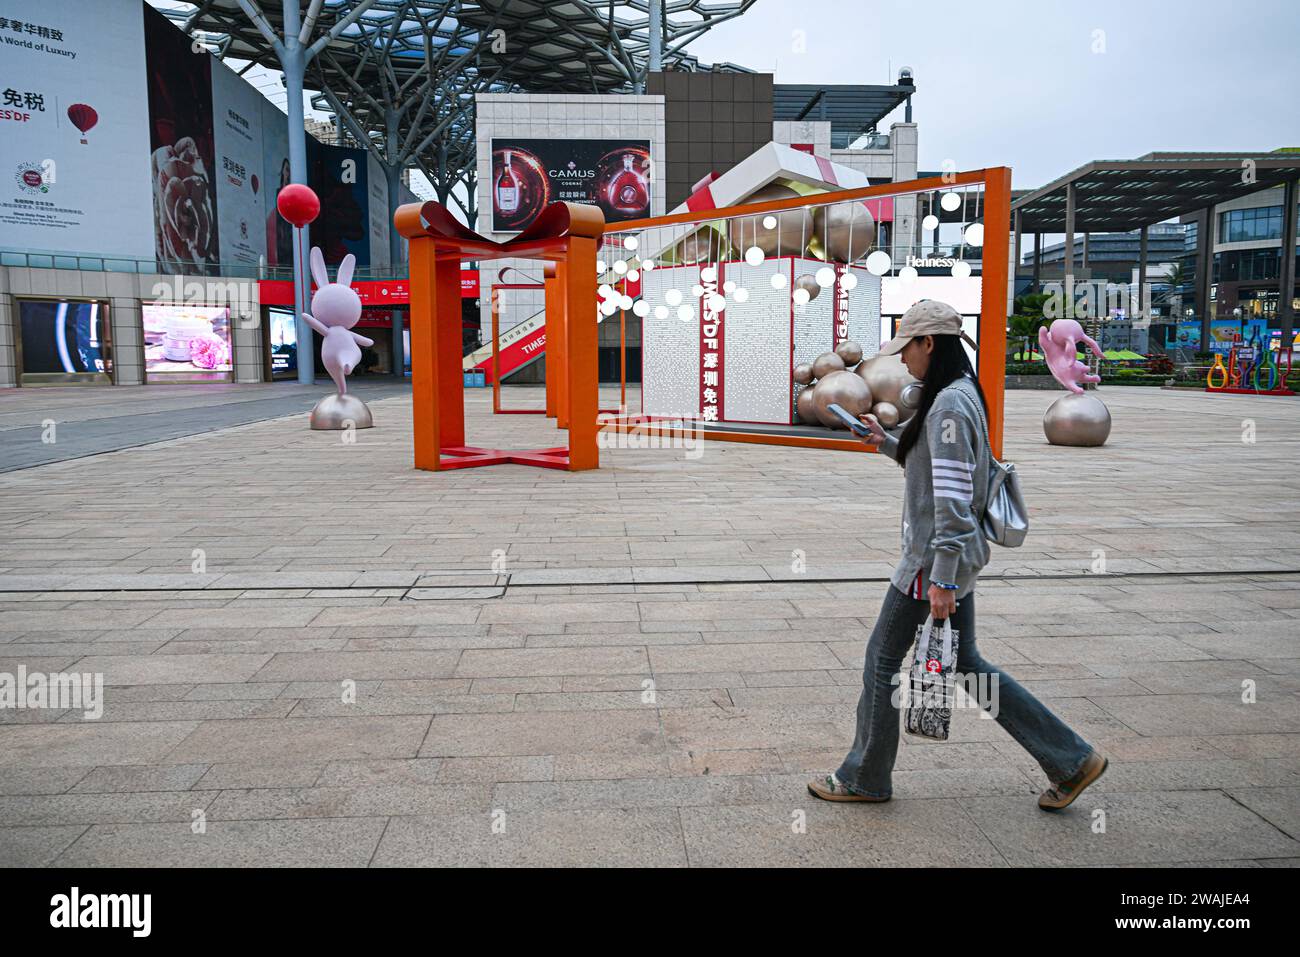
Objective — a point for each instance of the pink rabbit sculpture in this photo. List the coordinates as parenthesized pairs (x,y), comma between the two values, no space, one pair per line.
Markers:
(336,307)
(1060,349)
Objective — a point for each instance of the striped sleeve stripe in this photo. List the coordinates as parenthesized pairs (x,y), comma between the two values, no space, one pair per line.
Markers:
(948,493)
(954,464)
(955,486)
(951,475)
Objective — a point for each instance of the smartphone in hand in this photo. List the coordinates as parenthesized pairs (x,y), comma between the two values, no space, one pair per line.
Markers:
(851,421)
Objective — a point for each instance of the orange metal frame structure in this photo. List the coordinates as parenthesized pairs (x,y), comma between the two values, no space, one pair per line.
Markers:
(565,236)
(993,303)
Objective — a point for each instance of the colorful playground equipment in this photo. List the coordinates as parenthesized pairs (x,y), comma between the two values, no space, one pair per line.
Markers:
(1252,369)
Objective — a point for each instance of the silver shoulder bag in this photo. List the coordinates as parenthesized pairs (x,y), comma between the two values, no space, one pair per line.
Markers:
(1006,517)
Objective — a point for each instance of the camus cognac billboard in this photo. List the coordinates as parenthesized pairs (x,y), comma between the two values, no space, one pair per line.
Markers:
(527,174)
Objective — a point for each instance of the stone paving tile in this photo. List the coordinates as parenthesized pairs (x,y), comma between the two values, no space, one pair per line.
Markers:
(621,837)
(1141,828)
(125,779)
(1208,714)
(91,744)
(348,842)
(358,665)
(454,735)
(117,808)
(369,801)
(301,739)
(551,661)
(1280,806)
(936,832)
(36,846)
(172,669)
(20,780)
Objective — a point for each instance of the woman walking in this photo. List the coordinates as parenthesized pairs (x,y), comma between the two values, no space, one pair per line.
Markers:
(945,453)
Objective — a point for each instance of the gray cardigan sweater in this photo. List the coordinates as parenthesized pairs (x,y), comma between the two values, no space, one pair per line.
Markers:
(945,491)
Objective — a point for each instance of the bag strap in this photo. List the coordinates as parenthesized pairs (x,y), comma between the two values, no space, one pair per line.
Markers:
(979,410)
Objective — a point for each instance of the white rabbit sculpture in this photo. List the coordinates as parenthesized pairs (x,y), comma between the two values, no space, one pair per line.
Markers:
(335,309)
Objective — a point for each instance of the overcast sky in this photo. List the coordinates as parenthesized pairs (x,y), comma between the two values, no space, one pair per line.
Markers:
(1004,83)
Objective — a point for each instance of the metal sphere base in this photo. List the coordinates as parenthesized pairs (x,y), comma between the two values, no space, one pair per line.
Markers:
(337,412)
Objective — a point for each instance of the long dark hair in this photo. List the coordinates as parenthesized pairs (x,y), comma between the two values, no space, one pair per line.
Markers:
(948,362)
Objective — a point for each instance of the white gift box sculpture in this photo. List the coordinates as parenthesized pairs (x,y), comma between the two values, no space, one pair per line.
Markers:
(335,309)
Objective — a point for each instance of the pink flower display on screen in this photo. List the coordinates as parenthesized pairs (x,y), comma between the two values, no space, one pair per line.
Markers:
(208,352)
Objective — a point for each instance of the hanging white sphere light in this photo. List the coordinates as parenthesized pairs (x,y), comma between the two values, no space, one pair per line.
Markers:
(950,201)
(673,297)
(696,291)
(641,308)
(629,242)
(848,281)
(907,273)
(708,274)
(800,296)
(769,222)
(625,302)
(648,265)
(961,269)
(975,234)
(717,303)
(930,222)
(620,266)
(741,294)
(825,277)
(729,286)
(754,256)
(600,265)
(609,307)
(633,275)
(604,290)
(779,280)
(879,263)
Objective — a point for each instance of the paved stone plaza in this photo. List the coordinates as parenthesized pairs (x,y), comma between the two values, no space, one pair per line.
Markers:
(500,627)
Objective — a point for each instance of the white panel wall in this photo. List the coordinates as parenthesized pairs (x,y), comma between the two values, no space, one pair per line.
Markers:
(757,359)
(670,347)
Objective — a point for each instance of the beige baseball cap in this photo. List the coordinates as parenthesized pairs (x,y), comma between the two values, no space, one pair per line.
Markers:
(929,317)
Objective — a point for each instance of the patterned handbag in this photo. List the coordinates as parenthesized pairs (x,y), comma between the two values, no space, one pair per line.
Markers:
(930,684)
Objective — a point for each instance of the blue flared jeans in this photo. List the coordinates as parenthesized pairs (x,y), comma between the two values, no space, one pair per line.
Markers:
(867,769)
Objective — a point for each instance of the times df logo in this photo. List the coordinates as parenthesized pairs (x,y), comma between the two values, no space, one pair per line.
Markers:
(32,179)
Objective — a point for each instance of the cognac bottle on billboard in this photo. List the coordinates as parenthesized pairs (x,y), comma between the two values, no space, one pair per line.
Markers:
(627,192)
(507,189)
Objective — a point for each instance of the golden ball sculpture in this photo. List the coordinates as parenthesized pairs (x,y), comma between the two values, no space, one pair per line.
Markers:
(788,237)
(843,389)
(844,232)
(809,284)
(887,413)
(803,407)
(887,377)
(850,352)
(825,364)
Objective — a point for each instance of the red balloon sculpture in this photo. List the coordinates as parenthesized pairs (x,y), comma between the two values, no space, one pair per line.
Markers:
(83,117)
(298,204)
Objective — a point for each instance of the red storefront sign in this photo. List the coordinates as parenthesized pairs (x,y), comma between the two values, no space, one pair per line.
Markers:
(712,348)
(373,292)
